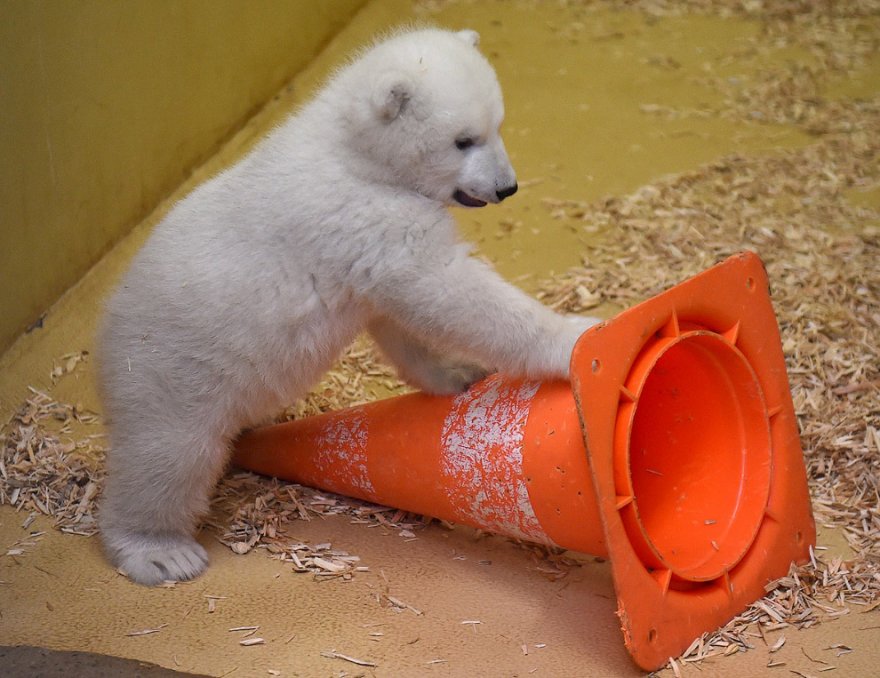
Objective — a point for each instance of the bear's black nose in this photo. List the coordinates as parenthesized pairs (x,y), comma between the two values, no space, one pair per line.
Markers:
(506,192)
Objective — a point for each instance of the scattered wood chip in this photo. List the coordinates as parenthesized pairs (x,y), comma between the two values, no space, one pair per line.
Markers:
(333,654)
(327,565)
(841,649)
(815,661)
(396,602)
(146,632)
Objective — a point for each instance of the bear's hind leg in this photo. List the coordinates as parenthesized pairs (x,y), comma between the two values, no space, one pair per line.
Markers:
(158,487)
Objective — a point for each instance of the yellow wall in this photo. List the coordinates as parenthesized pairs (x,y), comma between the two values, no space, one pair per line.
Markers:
(104,108)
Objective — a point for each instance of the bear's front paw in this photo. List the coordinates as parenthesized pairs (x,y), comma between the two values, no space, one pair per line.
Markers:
(583,322)
(452,379)
(154,559)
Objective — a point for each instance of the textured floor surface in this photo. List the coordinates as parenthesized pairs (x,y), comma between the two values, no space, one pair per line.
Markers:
(649,143)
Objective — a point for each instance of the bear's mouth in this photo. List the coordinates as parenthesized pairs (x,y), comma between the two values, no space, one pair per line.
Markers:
(467,200)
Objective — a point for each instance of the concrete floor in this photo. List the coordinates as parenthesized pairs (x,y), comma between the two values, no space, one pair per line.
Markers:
(574,130)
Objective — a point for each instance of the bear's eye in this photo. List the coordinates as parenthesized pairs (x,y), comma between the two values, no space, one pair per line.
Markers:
(463,143)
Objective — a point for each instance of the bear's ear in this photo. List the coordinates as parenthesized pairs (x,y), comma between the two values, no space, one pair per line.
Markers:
(470,37)
(391,94)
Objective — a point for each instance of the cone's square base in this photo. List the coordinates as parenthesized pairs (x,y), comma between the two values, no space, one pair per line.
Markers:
(694,451)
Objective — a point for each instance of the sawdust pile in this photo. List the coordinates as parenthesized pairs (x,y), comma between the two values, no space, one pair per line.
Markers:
(806,212)
(48,469)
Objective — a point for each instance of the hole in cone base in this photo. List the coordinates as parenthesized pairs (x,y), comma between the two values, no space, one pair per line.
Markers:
(698,452)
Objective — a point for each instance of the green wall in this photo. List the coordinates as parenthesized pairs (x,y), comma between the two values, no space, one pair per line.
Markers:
(106,105)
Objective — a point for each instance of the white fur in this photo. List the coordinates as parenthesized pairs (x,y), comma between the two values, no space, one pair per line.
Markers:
(255,282)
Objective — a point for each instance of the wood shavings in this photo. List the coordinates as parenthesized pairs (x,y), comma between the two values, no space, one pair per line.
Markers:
(146,632)
(396,602)
(44,471)
(247,642)
(333,654)
(840,649)
(24,545)
(67,364)
(262,508)
(815,661)
(327,565)
(241,547)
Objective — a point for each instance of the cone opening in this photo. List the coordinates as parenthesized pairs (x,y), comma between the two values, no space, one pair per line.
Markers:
(699,456)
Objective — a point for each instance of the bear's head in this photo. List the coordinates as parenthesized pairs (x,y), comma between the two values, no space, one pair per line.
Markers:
(427,113)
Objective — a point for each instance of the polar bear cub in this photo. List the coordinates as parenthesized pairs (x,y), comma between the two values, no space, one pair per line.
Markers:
(256,281)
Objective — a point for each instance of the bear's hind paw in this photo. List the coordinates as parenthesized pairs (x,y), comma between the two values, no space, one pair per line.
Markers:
(152,560)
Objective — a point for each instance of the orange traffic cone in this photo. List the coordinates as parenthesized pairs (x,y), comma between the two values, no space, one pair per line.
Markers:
(674,452)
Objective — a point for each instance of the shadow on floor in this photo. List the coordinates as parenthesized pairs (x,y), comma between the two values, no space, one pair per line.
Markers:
(38,662)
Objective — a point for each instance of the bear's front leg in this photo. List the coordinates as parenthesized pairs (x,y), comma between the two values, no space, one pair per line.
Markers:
(419,365)
(460,306)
